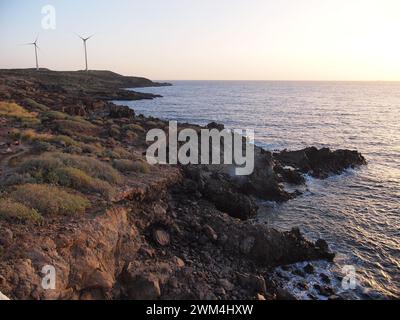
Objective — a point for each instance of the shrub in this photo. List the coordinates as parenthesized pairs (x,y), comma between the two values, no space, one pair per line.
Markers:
(36,106)
(42,146)
(32,135)
(114,131)
(43,168)
(14,110)
(14,211)
(92,167)
(29,122)
(64,140)
(130,135)
(75,127)
(50,200)
(79,180)
(54,115)
(91,148)
(133,127)
(125,165)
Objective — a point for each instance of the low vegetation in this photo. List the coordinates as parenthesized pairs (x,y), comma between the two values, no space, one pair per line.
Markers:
(49,200)
(15,111)
(38,107)
(74,127)
(79,180)
(125,165)
(12,210)
(84,174)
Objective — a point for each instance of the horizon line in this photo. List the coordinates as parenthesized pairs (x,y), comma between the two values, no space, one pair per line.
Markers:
(226,80)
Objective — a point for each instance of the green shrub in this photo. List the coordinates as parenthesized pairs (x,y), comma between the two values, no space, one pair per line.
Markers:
(71,127)
(11,210)
(54,115)
(79,180)
(36,106)
(114,131)
(92,167)
(133,127)
(42,146)
(49,200)
(64,140)
(125,165)
(130,135)
(43,168)
(95,149)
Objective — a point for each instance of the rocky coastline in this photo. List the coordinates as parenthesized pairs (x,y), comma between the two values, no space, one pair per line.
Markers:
(140,231)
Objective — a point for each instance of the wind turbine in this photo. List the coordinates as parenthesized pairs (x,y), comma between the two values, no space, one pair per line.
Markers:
(36,54)
(84,45)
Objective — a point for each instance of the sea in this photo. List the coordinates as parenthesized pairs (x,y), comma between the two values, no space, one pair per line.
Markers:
(357,212)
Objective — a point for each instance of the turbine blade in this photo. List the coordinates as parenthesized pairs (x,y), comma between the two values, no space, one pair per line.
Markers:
(80,37)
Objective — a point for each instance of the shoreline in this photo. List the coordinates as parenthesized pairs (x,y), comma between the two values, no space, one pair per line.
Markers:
(168,232)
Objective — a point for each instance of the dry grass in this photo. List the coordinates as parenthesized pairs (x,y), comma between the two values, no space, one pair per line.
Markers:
(133,127)
(54,115)
(34,136)
(84,174)
(15,111)
(79,180)
(36,106)
(74,127)
(125,165)
(49,200)
(11,210)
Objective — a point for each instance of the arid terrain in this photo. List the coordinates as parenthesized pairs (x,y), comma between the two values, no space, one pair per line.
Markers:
(77,193)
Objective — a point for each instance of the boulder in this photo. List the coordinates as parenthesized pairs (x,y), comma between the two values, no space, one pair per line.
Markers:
(142,286)
(161,237)
(254,283)
(321,163)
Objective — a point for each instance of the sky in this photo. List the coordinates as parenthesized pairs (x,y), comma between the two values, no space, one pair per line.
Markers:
(210,39)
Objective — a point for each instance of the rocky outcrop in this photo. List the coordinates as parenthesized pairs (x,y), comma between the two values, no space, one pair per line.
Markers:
(320,163)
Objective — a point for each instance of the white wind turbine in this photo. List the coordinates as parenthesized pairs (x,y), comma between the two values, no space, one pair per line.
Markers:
(36,53)
(84,45)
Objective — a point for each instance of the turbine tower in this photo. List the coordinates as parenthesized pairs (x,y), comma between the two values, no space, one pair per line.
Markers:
(36,54)
(84,45)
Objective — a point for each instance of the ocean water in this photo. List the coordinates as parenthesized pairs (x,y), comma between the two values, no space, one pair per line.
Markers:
(358,212)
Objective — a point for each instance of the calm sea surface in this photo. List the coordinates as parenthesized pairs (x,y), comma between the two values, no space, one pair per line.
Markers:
(358,213)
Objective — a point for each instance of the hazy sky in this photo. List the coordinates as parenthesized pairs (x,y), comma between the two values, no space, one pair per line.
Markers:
(210,39)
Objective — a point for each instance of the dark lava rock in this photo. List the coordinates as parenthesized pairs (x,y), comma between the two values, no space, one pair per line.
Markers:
(309,268)
(215,125)
(142,287)
(290,176)
(324,290)
(325,278)
(226,199)
(322,244)
(256,284)
(321,163)
(121,112)
(282,294)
